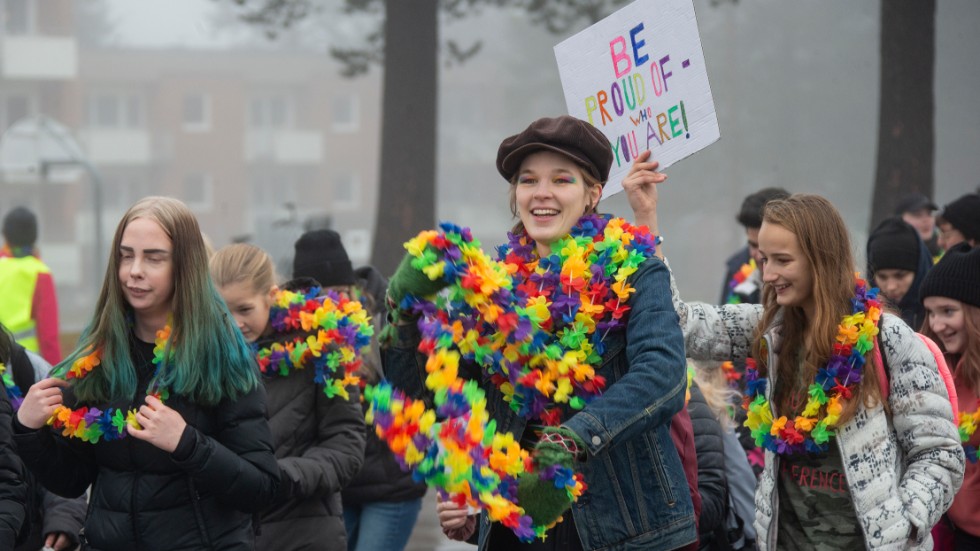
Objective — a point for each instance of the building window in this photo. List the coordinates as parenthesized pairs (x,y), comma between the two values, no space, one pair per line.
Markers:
(19,17)
(346,190)
(115,110)
(122,188)
(270,111)
(197,112)
(198,190)
(345,113)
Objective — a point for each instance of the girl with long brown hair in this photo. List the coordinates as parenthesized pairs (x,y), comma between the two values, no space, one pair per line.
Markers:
(844,469)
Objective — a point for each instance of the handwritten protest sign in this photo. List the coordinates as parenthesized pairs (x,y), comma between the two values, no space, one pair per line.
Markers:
(639,76)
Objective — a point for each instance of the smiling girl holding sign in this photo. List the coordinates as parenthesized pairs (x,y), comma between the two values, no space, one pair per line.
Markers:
(574,352)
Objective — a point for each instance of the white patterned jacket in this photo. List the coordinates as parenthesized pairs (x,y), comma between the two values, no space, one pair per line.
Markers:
(903,469)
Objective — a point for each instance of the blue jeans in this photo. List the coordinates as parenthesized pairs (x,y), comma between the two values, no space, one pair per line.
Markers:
(380,525)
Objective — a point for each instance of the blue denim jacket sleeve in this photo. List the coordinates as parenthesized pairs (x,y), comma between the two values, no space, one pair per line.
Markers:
(653,388)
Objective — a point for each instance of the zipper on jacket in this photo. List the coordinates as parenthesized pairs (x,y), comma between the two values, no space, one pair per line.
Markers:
(774,507)
(772,532)
(198,515)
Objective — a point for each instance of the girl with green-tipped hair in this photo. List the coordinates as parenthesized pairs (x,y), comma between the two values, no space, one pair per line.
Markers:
(159,408)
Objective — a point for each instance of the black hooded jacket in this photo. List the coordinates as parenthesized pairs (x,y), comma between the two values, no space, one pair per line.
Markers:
(319,446)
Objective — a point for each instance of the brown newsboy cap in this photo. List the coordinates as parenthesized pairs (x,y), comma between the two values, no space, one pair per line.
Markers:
(574,138)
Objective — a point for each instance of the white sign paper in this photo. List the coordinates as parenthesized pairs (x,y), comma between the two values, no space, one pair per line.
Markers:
(639,76)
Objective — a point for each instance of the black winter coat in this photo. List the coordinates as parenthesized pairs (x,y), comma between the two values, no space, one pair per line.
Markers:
(319,446)
(13,489)
(46,513)
(712,483)
(202,496)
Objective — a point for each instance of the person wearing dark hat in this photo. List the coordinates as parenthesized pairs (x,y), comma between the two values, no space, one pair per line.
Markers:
(28,305)
(959,221)
(916,209)
(321,256)
(897,262)
(556,169)
(382,503)
(318,432)
(951,296)
(743,280)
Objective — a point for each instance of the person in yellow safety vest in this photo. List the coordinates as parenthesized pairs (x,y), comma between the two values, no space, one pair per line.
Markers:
(28,306)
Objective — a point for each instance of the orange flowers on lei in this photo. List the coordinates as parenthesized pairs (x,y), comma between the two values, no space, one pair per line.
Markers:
(335,330)
(810,431)
(536,327)
(91,424)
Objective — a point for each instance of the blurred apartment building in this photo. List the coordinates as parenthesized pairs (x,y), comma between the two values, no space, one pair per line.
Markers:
(256,143)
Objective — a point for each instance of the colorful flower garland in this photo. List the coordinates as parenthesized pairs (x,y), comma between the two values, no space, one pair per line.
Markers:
(968,425)
(14,394)
(90,424)
(739,277)
(810,431)
(536,327)
(335,329)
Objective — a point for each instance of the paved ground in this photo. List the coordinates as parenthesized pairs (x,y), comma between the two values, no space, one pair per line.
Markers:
(427,535)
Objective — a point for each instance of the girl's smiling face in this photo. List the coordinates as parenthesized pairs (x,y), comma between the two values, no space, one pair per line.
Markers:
(786,268)
(947,320)
(551,196)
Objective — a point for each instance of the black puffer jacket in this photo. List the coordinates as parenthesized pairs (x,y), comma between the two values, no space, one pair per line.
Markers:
(712,483)
(319,445)
(46,513)
(13,489)
(202,496)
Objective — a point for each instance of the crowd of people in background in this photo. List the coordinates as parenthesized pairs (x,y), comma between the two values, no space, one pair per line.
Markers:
(211,404)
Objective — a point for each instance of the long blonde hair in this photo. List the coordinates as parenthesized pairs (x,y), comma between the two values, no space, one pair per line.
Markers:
(241,262)
(807,344)
(720,397)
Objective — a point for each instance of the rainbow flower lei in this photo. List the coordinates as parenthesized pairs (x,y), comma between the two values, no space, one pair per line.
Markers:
(968,425)
(810,431)
(536,328)
(14,394)
(91,424)
(335,329)
(743,273)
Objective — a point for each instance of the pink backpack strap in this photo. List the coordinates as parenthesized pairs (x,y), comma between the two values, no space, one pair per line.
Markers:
(883,385)
(940,360)
(945,373)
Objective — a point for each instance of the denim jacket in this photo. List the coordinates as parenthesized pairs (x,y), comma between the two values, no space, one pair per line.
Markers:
(637,496)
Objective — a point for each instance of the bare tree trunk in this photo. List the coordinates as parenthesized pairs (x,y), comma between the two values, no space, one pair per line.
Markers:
(906,134)
(406,191)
